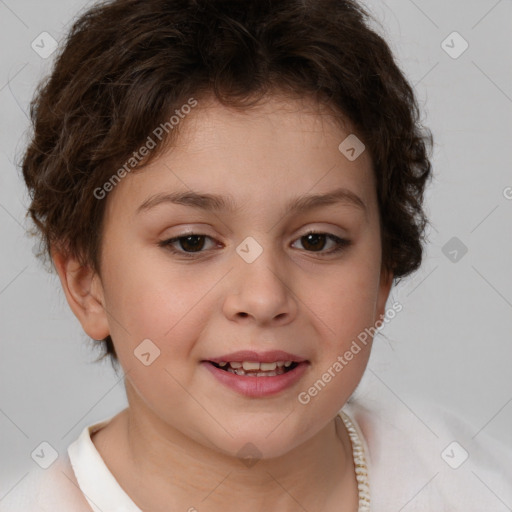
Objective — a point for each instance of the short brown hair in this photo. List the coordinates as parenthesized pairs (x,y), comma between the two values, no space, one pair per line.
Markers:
(127,65)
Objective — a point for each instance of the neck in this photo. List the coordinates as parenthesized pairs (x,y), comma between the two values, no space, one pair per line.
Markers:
(163,469)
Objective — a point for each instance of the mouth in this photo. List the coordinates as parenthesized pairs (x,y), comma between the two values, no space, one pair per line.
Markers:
(258,375)
(255,368)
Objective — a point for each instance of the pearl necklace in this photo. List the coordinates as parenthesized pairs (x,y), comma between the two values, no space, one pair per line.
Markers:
(359,463)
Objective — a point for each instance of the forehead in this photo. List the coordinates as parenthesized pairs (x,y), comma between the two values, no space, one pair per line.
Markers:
(293,118)
(269,153)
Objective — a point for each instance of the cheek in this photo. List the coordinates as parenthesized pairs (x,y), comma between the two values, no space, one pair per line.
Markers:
(148,300)
(346,307)
(347,300)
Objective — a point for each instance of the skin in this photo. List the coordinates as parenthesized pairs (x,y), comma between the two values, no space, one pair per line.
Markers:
(176,445)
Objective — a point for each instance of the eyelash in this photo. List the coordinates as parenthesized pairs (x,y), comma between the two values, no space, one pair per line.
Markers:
(342,244)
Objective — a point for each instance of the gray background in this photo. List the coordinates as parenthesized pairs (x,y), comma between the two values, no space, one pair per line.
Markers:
(451,343)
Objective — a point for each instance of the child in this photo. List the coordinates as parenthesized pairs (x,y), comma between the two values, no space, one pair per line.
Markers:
(228,191)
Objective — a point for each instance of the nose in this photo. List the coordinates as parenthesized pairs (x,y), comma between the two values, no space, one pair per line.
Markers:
(261,291)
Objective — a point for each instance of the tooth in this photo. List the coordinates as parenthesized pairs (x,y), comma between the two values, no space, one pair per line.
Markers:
(235,365)
(223,363)
(280,364)
(268,366)
(251,365)
(287,363)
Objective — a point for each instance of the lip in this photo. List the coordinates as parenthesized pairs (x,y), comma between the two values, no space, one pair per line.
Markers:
(261,357)
(258,387)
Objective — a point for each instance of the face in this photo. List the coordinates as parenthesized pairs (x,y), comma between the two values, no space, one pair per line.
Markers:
(201,279)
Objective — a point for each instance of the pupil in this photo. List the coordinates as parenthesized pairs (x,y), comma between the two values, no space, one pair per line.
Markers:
(195,244)
(312,240)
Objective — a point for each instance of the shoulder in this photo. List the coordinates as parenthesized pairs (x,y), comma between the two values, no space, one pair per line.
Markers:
(46,490)
(422,456)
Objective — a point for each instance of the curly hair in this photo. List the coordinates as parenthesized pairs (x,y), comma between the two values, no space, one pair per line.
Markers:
(126,65)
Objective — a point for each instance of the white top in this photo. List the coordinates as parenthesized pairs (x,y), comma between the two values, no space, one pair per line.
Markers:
(419,458)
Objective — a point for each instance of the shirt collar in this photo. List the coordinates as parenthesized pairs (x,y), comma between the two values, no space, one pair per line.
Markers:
(101,490)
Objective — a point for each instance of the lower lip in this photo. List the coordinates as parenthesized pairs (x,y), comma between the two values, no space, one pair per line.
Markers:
(256,387)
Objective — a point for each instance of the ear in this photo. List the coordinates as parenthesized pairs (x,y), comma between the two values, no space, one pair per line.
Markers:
(84,293)
(386,281)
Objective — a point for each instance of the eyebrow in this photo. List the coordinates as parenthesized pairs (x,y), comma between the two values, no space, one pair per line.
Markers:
(217,203)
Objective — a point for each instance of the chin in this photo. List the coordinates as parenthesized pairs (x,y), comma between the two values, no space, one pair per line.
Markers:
(255,445)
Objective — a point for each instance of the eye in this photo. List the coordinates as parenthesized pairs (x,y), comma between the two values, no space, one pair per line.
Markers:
(314,241)
(190,244)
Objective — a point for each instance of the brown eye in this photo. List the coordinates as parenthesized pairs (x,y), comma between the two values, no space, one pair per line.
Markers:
(192,243)
(186,245)
(316,242)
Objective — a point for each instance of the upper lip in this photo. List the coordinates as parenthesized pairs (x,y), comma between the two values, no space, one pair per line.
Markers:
(261,357)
